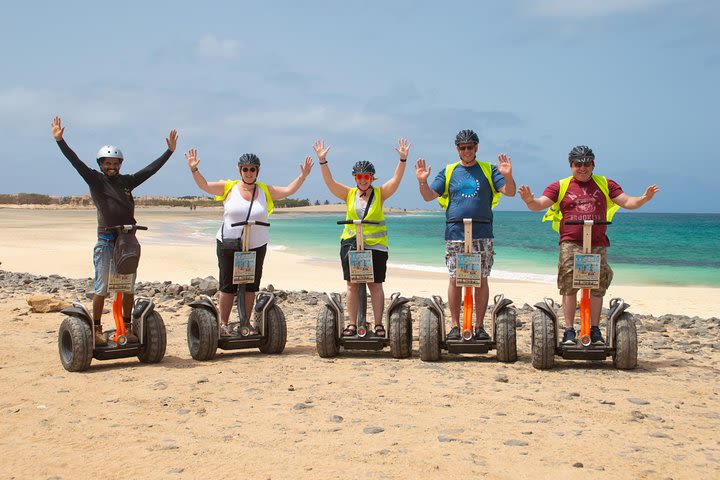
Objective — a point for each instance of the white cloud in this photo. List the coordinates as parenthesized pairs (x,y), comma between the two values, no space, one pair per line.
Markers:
(211,46)
(593,8)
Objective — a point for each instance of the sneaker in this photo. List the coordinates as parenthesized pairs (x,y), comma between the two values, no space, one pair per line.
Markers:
(225,330)
(596,337)
(569,337)
(454,334)
(481,334)
(100,337)
(131,337)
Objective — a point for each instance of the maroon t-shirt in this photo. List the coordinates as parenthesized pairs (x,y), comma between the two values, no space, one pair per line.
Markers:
(583,201)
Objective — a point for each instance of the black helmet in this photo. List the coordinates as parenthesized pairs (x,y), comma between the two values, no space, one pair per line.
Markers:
(466,136)
(363,166)
(581,154)
(249,159)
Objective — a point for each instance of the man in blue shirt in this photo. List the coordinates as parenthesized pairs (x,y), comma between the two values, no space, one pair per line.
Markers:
(468,189)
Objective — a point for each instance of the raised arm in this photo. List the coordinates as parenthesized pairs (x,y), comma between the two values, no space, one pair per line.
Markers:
(282,192)
(632,203)
(140,176)
(504,166)
(533,203)
(391,186)
(422,172)
(337,189)
(85,172)
(213,188)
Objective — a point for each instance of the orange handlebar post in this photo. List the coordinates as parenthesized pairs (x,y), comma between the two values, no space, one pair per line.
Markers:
(117,316)
(585,316)
(467,310)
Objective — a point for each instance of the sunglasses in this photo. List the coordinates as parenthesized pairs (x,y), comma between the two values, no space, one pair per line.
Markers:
(464,148)
(248,169)
(582,164)
(363,176)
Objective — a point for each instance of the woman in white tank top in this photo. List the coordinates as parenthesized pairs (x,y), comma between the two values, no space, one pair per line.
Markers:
(244,199)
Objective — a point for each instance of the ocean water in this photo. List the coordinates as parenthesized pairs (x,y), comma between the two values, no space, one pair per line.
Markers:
(646,248)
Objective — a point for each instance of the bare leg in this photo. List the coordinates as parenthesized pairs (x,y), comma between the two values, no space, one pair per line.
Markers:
(454,297)
(482,297)
(98,305)
(378,301)
(225,306)
(569,307)
(128,299)
(595,310)
(352,302)
(249,302)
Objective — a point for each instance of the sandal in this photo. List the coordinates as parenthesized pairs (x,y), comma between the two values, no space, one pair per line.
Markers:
(350,330)
(225,330)
(380,330)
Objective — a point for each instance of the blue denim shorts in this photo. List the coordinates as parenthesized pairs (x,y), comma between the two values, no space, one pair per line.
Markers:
(103,261)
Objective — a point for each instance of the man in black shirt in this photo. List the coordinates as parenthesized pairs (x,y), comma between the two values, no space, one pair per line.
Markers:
(111,193)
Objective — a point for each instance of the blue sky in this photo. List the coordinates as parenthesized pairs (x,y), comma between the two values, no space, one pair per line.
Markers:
(635,80)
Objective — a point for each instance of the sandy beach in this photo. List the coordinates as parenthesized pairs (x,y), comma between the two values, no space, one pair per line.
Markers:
(360,415)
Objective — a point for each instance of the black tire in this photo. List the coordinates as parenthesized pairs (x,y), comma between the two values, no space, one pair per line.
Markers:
(202,334)
(625,356)
(505,338)
(543,341)
(401,332)
(429,336)
(75,344)
(276,334)
(153,348)
(326,333)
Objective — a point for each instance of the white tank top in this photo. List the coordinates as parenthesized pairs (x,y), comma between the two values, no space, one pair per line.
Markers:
(236,210)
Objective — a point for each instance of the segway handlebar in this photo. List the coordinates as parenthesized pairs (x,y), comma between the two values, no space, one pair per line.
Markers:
(462,221)
(364,222)
(592,222)
(123,228)
(252,222)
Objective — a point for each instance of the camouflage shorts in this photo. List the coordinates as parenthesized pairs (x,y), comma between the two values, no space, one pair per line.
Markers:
(482,245)
(565,269)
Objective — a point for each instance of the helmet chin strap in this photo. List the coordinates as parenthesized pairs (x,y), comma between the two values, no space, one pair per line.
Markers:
(248,183)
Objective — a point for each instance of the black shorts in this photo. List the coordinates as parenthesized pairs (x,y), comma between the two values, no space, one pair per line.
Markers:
(225,264)
(380,259)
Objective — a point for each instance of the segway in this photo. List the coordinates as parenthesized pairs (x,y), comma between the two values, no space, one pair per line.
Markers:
(432,320)
(76,338)
(621,336)
(328,331)
(269,332)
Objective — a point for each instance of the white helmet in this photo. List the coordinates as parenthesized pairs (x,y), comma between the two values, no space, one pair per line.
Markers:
(109,151)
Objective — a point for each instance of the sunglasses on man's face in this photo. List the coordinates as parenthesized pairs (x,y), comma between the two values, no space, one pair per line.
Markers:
(248,169)
(363,176)
(464,148)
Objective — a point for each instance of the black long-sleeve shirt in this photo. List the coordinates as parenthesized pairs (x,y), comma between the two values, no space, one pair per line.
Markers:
(112,196)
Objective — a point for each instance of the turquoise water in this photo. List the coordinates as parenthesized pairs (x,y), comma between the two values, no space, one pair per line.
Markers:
(646,249)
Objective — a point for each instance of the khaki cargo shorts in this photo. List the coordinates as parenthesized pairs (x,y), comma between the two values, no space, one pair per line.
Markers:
(565,269)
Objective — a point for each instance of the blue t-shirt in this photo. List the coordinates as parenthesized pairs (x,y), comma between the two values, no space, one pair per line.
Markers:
(470,197)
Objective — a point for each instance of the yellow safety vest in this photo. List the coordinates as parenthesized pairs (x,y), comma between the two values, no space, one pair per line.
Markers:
(554,214)
(372,234)
(229,184)
(444,199)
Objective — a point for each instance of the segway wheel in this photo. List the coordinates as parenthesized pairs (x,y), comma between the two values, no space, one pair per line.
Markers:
(625,356)
(202,334)
(429,336)
(543,341)
(326,333)
(75,344)
(152,349)
(401,332)
(276,335)
(505,338)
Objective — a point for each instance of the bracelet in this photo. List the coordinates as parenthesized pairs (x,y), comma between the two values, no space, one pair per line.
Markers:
(193,170)
(403,160)
(422,183)
(323,163)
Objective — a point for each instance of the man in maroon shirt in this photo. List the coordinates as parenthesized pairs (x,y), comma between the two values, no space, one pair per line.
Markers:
(587,197)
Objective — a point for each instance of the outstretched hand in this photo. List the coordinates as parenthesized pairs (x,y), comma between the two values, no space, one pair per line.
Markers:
(421,171)
(526,194)
(192,159)
(172,140)
(403,148)
(57,129)
(650,192)
(320,149)
(504,165)
(306,167)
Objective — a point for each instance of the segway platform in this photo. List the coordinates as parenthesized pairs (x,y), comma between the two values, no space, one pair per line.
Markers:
(579,352)
(364,343)
(469,346)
